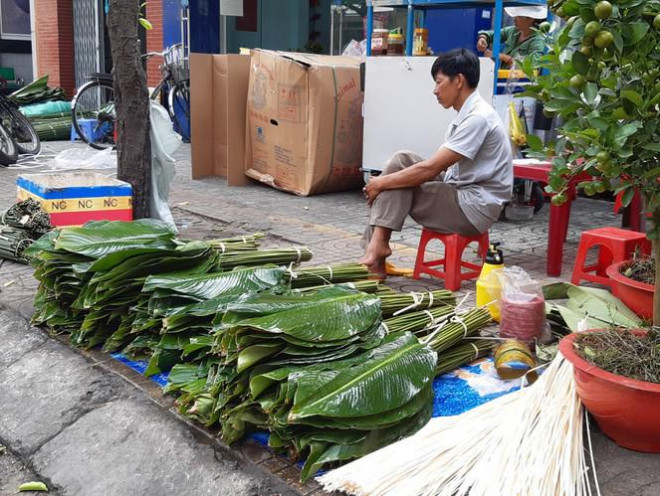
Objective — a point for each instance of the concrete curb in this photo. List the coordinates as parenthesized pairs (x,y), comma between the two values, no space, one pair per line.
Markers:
(75,425)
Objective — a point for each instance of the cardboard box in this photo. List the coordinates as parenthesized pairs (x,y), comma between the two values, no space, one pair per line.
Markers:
(74,198)
(218,97)
(304,122)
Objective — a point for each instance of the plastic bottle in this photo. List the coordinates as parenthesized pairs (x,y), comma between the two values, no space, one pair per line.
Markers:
(489,288)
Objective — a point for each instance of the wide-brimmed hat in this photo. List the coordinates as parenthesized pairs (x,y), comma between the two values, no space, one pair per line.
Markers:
(534,11)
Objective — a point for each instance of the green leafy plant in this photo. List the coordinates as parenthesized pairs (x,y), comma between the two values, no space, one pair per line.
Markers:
(601,77)
(144,22)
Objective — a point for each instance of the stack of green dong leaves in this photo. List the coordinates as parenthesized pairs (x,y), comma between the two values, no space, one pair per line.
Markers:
(317,370)
(251,343)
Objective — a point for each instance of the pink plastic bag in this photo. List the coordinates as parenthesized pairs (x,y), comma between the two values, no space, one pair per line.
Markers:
(522,306)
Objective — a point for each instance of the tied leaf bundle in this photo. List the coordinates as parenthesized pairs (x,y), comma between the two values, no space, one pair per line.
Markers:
(323,275)
(13,244)
(448,333)
(451,331)
(465,351)
(20,225)
(66,260)
(396,303)
(27,215)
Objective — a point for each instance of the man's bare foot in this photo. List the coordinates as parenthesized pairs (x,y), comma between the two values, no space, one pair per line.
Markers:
(374,259)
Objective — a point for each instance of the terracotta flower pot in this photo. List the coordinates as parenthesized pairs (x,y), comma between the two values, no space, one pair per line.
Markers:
(637,296)
(626,410)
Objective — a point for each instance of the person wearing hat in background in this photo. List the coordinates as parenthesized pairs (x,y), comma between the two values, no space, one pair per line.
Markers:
(519,40)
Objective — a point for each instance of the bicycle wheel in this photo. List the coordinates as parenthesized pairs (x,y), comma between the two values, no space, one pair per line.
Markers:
(179,108)
(93,114)
(8,151)
(26,138)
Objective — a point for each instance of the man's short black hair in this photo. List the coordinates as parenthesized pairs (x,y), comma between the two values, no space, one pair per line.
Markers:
(458,61)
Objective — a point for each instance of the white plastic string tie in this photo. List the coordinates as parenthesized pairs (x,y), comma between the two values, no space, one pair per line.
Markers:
(222,247)
(244,240)
(430,317)
(457,320)
(460,303)
(330,271)
(299,254)
(430,300)
(387,329)
(476,351)
(417,300)
(290,271)
(438,328)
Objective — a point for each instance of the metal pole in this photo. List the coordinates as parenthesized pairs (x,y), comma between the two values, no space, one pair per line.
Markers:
(497,39)
(33,37)
(370,25)
(332,29)
(410,27)
(223,33)
(341,31)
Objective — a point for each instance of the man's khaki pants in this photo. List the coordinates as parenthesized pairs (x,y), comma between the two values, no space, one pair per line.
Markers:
(433,205)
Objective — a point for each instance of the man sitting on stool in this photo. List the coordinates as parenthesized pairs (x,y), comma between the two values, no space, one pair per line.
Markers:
(462,188)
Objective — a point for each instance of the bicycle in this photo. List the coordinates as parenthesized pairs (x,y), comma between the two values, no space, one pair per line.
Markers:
(17,136)
(93,111)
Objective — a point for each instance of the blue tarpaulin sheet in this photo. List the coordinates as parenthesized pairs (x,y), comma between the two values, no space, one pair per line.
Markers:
(455,392)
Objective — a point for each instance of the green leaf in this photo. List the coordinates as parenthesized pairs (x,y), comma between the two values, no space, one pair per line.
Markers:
(376,440)
(97,239)
(618,40)
(590,93)
(652,173)
(145,23)
(562,93)
(571,8)
(577,30)
(580,63)
(633,32)
(654,147)
(335,319)
(622,133)
(534,142)
(625,152)
(401,366)
(627,197)
(632,96)
(208,286)
(33,486)
(601,305)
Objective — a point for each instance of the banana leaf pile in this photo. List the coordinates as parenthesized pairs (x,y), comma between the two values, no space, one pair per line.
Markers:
(592,307)
(315,369)
(66,260)
(249,341)
(37,91)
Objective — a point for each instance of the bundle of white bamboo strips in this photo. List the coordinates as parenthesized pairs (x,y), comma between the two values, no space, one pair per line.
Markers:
(526,442)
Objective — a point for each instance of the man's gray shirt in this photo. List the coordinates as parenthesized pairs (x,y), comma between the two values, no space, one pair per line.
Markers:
(484,178)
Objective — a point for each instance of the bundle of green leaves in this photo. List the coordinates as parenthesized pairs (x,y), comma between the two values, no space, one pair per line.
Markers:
(314,370)
(63,260)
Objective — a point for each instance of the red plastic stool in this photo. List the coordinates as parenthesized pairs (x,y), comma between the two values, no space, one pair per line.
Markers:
(614,245)
(453,262)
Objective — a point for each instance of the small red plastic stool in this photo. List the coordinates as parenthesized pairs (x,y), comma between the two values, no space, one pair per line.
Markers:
(453,262)
(614,245)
